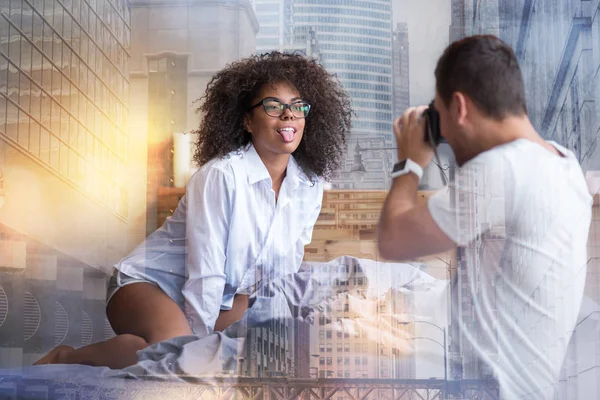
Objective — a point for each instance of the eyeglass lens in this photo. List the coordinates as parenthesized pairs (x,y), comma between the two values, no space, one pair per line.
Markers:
(275,108)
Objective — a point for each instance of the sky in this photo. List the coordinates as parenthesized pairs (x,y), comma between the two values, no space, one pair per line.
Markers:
(428,35)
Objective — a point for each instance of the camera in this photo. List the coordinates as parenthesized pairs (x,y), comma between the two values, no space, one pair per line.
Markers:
(433,135)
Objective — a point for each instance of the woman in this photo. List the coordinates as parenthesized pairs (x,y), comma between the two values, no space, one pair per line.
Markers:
(273,127)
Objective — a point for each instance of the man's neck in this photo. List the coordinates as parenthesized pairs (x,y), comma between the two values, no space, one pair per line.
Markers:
(497,133)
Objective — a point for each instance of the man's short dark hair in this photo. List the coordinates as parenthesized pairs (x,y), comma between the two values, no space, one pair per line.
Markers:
(485,69)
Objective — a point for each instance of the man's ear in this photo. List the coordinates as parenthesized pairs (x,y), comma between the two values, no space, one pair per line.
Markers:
(459,107)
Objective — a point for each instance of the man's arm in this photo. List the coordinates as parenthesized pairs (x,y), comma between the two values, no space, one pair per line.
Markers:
(406,229)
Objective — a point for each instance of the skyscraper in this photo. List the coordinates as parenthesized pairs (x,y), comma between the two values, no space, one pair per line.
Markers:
(64,147)
(362,337)
(276,21)
(400,63)
(558,50)
(557,47)
(474,17)
(355,42)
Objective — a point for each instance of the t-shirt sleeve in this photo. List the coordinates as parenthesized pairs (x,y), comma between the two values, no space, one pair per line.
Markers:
(475,202)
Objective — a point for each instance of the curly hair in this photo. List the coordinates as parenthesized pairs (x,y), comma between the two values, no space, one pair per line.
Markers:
(230,91)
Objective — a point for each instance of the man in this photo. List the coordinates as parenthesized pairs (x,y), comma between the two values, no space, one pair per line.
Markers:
(511,185)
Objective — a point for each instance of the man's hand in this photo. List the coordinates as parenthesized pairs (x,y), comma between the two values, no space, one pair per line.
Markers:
(409,130)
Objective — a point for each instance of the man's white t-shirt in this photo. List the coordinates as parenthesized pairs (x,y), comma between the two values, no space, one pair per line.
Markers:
(522,215)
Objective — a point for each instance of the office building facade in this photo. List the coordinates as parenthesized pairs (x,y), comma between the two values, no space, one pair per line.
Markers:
(276,24)
(356,337)
(65,214)
(401,69)
(557,46)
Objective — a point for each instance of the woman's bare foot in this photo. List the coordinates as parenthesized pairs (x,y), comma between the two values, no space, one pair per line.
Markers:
(55,356)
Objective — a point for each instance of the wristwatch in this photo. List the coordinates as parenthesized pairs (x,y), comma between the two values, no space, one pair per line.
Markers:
(406,166)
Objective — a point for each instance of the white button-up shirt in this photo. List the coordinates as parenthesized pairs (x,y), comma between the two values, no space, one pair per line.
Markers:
(228,233)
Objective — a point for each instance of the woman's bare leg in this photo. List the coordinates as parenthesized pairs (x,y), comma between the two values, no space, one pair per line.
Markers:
(116,353)
(228,317)
(144,310)
(141,314)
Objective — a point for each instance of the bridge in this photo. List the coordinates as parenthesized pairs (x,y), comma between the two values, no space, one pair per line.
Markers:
(243,388)
(325,389)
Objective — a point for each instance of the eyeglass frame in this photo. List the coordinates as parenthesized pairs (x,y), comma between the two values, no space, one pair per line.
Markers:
(285,106)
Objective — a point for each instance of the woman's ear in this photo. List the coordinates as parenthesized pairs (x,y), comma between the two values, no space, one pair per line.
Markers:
(247,123)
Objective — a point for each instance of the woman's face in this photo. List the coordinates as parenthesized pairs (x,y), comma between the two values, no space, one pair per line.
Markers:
(272,135)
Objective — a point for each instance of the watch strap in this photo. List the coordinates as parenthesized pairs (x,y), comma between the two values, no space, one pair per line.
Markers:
(406,166)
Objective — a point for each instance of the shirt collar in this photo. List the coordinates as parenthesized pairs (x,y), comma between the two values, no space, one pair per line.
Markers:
(258,172)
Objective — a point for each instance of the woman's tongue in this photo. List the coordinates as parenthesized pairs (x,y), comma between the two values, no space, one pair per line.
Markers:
(287,134)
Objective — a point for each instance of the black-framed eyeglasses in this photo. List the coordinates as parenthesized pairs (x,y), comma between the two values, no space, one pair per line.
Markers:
(275,108)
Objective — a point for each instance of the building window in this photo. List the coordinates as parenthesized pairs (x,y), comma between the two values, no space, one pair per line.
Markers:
(322,374)
(328,333)
(347,361)
(340,347)
(340,374)
(55,133)
(364,359)
(329,361)
(321,348)
(347,347)
(322,320)
(329,347)
(339,334)
(339,360)
(322,334)
(321,360)
(346,374)
(346,307)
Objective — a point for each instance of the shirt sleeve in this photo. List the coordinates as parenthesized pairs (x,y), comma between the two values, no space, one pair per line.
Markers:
(475,202)
(209,204)
(306,234)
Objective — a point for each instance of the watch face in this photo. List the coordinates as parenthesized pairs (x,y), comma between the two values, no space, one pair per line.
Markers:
(399,166)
